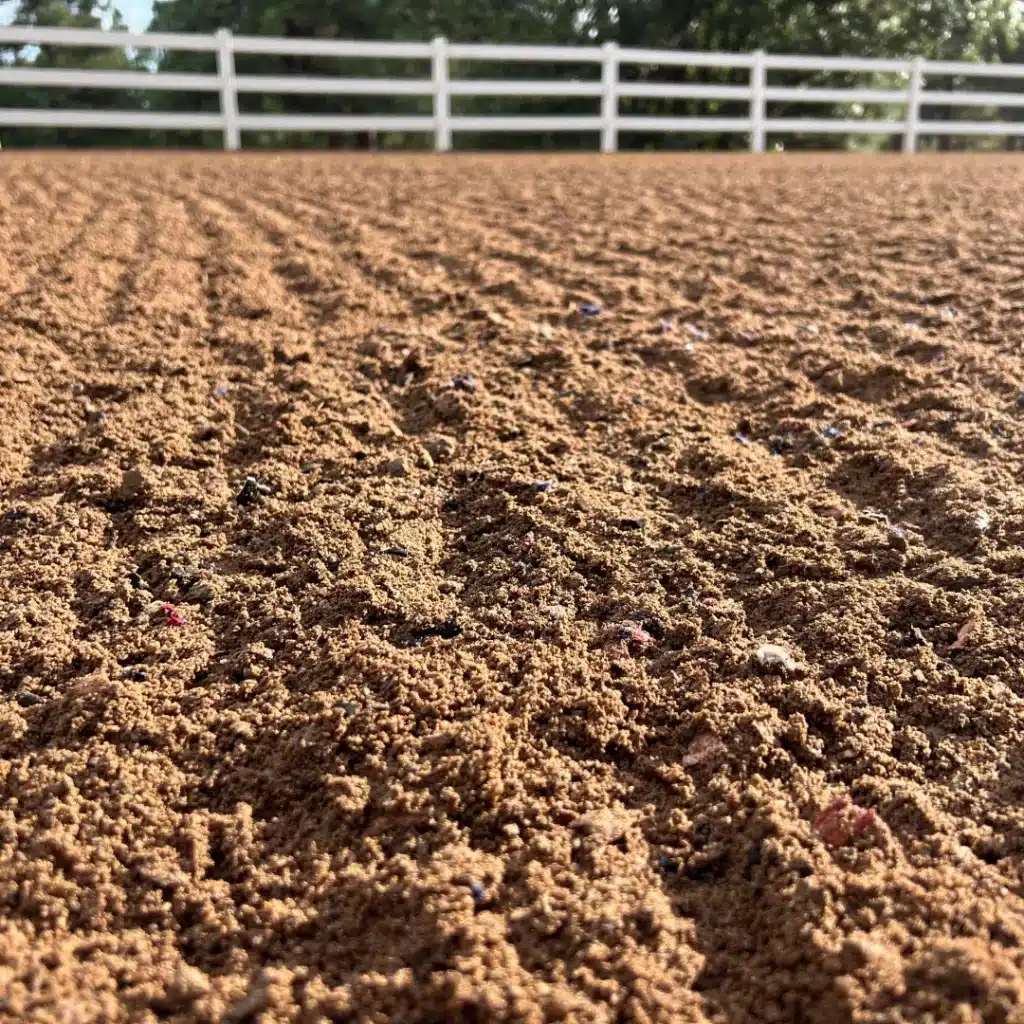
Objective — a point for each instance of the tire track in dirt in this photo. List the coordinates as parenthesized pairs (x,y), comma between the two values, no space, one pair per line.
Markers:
(62,236)
(241,284)
(487,233)
(163,285)
(330,287)
(68,295)
(341,226)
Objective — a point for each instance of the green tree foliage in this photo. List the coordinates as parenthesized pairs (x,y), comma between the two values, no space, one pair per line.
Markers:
(67,14)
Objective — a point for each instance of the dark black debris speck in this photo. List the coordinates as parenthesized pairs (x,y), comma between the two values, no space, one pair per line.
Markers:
(964,583)
(633,523)
(654,627)
(542,485)
(398,552)
(589,309)
(15,515)
(465,382)
(251,491)
(28,700)
(447,630)
(136,581)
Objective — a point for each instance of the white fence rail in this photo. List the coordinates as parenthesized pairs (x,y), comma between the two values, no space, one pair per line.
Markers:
(608,122)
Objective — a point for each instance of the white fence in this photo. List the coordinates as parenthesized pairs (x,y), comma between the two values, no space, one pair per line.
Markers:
(756,93)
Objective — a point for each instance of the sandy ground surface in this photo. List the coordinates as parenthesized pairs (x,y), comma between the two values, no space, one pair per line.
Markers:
(465,707)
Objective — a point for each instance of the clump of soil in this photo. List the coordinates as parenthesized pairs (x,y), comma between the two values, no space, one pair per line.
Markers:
(511,589)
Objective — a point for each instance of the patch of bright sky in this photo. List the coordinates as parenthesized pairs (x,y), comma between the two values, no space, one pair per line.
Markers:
(137,13)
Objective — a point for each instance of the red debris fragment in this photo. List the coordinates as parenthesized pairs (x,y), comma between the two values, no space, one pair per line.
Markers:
(967,630)
(173,617)
(843,822)
(628,636)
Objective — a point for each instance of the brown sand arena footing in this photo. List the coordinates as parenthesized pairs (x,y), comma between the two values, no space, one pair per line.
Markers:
(396,731)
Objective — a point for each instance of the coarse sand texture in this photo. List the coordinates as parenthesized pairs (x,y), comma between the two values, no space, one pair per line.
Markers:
(511,589)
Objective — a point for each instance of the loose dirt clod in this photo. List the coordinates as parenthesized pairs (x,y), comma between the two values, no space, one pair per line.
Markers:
(440,448)
(532,770)
(133,482)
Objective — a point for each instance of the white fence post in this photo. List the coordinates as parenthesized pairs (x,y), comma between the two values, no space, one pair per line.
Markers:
(442,98)
(609,97)
(913,105)
(757,103)
(228,92)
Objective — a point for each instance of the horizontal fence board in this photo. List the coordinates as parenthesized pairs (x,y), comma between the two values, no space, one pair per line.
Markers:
(540,54)
(970,128)
(969,68)
(973,99)
(334,86)
(34,35)
(71,78)
(775,61)
(526,124)
(685,58)
(684,124)
(15,117)
(668,91)
(470,87)
(800,94)
(293,47)
(833,126)
(332,123)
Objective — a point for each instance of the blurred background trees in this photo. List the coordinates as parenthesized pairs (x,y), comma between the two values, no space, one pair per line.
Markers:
(986,30)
